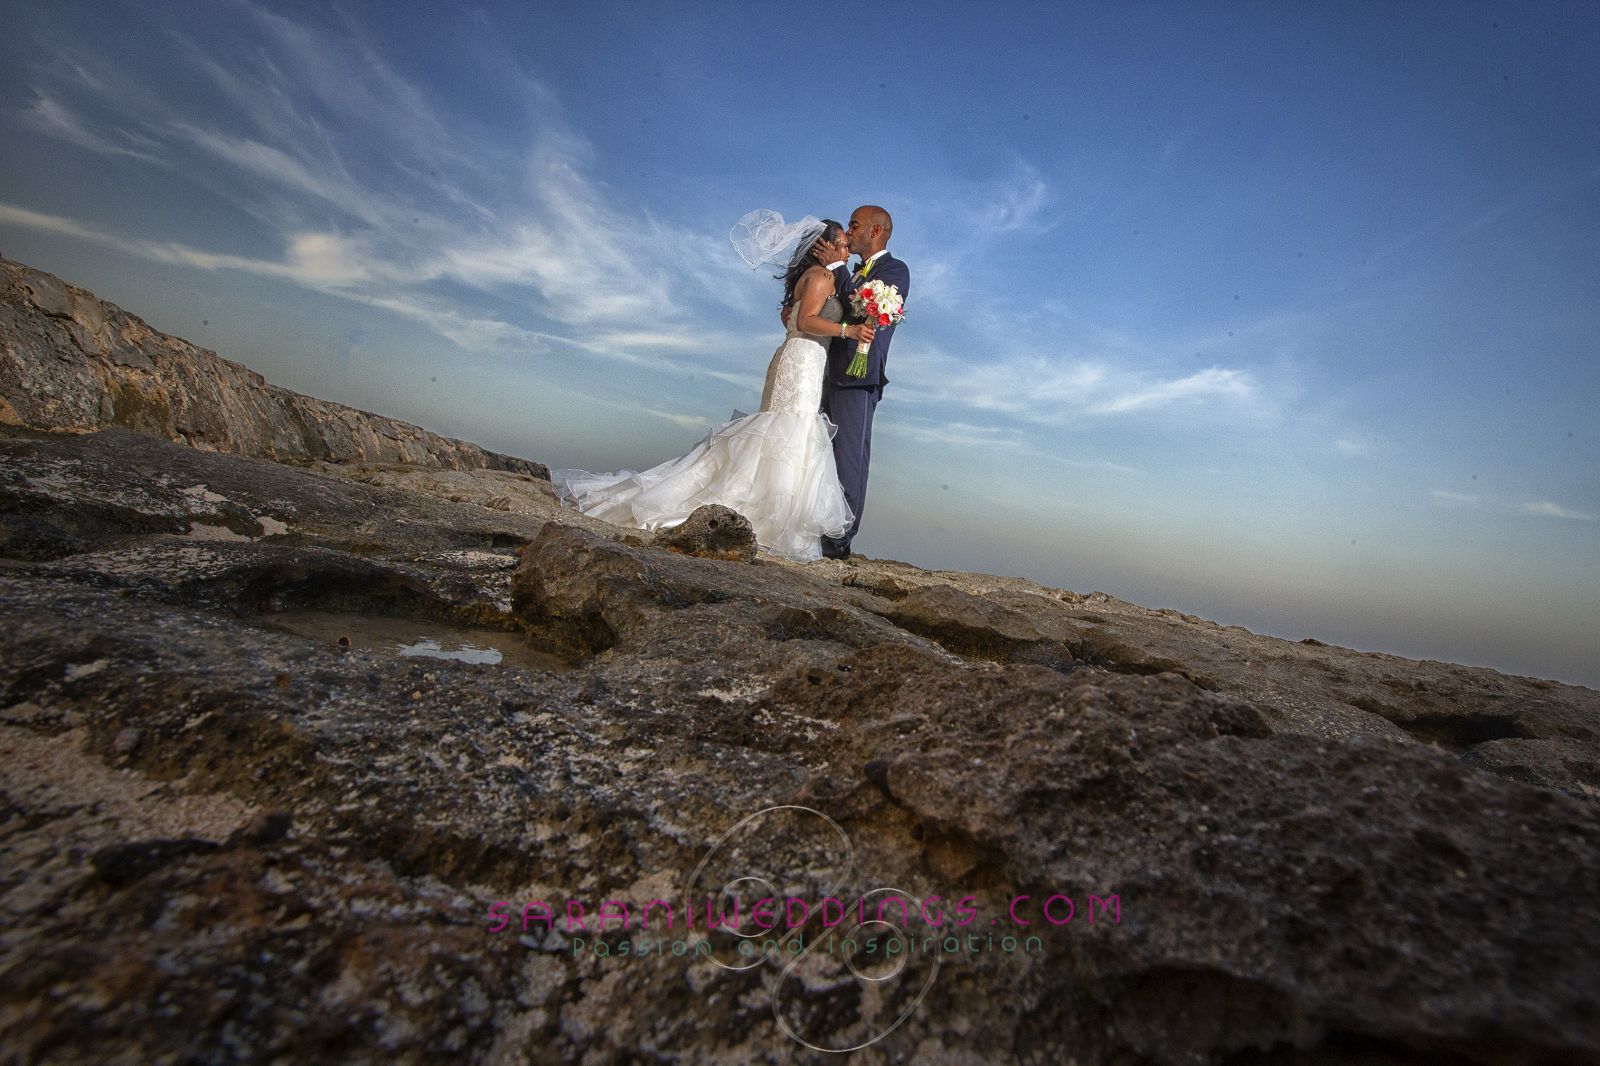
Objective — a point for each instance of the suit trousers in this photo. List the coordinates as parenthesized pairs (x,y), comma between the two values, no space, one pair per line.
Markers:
(850,410)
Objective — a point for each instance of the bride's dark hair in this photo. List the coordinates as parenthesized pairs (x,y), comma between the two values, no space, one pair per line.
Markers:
(831,231)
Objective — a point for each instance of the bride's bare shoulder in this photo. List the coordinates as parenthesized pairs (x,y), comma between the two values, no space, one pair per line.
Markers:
(816,277)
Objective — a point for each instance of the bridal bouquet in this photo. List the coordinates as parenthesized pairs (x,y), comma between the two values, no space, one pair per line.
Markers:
(880,304)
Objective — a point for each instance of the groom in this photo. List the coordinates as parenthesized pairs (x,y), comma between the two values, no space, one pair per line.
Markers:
(850,401)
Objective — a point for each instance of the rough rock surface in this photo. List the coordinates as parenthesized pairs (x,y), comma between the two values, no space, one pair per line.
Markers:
(70,361)
(712,532)
(226,841)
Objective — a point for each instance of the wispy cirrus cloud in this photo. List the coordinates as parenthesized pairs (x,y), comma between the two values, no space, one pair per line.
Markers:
(685,421)
(1209,384)
(1539,508)
(1448,226)
(310,259)
(50,117)
(375,194)
(1016,203)
(1552,510)
(980,439)
(1058,390)
(958,434)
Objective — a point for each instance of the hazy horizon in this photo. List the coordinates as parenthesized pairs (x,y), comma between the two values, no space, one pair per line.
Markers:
(1283,318)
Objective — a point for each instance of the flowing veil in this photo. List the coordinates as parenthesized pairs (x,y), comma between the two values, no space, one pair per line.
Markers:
(763,237)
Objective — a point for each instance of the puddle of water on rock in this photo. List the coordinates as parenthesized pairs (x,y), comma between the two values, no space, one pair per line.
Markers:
(416,638)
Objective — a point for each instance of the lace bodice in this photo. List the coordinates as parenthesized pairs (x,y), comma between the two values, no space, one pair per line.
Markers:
(794,377)
(832,310)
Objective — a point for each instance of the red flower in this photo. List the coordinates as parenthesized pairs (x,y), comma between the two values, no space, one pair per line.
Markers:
(883,320)
(872,308)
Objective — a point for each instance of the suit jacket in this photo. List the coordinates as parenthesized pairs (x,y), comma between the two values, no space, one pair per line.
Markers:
(842,350)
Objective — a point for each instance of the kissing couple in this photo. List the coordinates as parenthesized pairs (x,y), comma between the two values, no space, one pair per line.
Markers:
(797,468)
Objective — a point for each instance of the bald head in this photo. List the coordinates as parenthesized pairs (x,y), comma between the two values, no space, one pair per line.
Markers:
(877,216)
(870,227)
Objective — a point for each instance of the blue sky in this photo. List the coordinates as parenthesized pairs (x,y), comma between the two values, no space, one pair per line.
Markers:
(1285,315)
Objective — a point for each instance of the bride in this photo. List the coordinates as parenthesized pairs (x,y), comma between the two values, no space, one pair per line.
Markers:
(775,467)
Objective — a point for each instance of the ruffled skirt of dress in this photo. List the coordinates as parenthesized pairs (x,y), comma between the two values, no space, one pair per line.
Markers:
(774,467)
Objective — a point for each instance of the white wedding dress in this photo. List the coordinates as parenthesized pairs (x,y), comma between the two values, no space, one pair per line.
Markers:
(775,467)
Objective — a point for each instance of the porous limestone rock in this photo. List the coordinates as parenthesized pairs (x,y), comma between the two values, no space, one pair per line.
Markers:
(712,532)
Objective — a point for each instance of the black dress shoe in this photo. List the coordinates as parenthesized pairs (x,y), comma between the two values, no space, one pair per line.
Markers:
(830,550)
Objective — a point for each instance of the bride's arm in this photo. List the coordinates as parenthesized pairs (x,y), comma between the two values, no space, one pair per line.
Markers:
(813,291)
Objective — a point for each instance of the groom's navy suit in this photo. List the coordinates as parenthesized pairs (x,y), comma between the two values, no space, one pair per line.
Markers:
(850,402)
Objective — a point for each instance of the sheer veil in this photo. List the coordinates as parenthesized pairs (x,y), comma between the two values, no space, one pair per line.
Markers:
(763,237)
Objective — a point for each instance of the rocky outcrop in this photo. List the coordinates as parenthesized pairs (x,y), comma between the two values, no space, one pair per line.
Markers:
(239,826)
(227,840)
(72,362)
